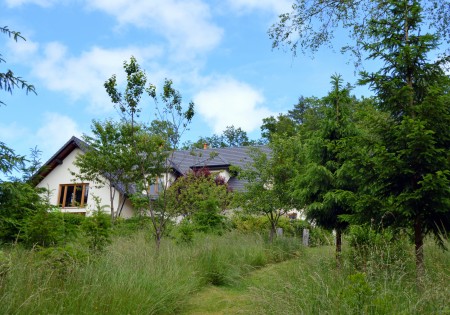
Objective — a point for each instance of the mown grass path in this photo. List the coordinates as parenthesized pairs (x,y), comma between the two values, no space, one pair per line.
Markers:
(239,299)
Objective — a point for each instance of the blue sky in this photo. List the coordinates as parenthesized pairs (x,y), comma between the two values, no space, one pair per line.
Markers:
(217,52)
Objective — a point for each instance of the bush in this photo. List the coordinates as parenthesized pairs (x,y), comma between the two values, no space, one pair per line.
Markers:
(97,228)
(63,259)
(373,251)
(207,217)
(51,228)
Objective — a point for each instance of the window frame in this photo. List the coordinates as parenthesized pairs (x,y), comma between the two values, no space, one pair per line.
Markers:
(63,190)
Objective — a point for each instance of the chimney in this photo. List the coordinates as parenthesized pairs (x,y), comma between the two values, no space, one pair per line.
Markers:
(205,146)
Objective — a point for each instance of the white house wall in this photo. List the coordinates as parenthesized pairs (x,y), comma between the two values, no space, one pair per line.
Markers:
(62,175)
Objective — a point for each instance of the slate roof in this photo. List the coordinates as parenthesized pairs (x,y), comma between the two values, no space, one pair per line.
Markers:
(216,158)
(182,161)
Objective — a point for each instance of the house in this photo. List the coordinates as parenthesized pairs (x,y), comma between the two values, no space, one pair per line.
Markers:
(78,197)
(70,194)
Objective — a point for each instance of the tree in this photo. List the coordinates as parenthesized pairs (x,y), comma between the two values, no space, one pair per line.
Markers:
(267,192)
(8,80)
(9,160)
(153,146)
(312,24)
(411,179)
(303,118)
(108,161)
(412,161)
(282,125)
(230,137)
(18,201)
(321,186)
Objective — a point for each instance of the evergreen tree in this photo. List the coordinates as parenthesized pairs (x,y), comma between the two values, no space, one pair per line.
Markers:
(412,160)
(322,186)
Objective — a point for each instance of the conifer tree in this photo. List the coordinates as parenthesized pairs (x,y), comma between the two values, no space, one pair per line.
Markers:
(321,186)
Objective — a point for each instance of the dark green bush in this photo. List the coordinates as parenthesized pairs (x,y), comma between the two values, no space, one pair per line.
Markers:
(97,229)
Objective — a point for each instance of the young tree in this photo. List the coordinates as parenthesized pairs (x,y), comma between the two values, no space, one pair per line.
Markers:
(266,191)
(153,146)
(108,161)
(321,185)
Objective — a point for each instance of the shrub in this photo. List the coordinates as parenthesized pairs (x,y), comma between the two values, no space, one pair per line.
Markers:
(373,251)
(97,229)
(63,259)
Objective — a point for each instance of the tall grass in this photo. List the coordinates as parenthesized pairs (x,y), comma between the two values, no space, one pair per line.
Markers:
(385,284)
(129,277)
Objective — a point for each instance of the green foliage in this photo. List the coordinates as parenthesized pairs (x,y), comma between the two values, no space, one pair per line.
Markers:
(97,228)
(8,80)
(62,259)
(129,277)
(312,24)
(184,232)
(230,137)
(321,185)
(109,159)
(208,218)
(246,223)
(9,160)
(45,228)
(18,202)
(374,252)
(408,182)
(266,191)
(201,197)
(150,145)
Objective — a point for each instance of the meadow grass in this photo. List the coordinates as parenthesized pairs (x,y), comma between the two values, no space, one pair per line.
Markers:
(129,276)
(313,284)
(229,274)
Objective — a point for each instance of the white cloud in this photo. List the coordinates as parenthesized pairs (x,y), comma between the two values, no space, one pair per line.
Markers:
(23,50)
(12,131)
(186,24)
(227,102)
(84,76)
(275,6)
(42,3)
(56,131)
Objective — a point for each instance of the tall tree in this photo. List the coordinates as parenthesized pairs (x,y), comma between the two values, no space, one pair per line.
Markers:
(230,137)
(8,80)
(413,158)
(321,186)
(313,24)
(9,160)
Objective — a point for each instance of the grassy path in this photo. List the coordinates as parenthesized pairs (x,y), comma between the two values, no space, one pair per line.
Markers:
(232,299)
(238,299)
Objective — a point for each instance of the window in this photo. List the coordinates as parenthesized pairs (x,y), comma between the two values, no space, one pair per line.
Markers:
(73,195)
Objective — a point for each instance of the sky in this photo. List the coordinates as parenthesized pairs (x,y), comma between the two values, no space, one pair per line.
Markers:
(217,53)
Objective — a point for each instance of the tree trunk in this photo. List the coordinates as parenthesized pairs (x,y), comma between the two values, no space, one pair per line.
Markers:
(272,232)
(111,199)
(158,239)
(338,247)
(418,241)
